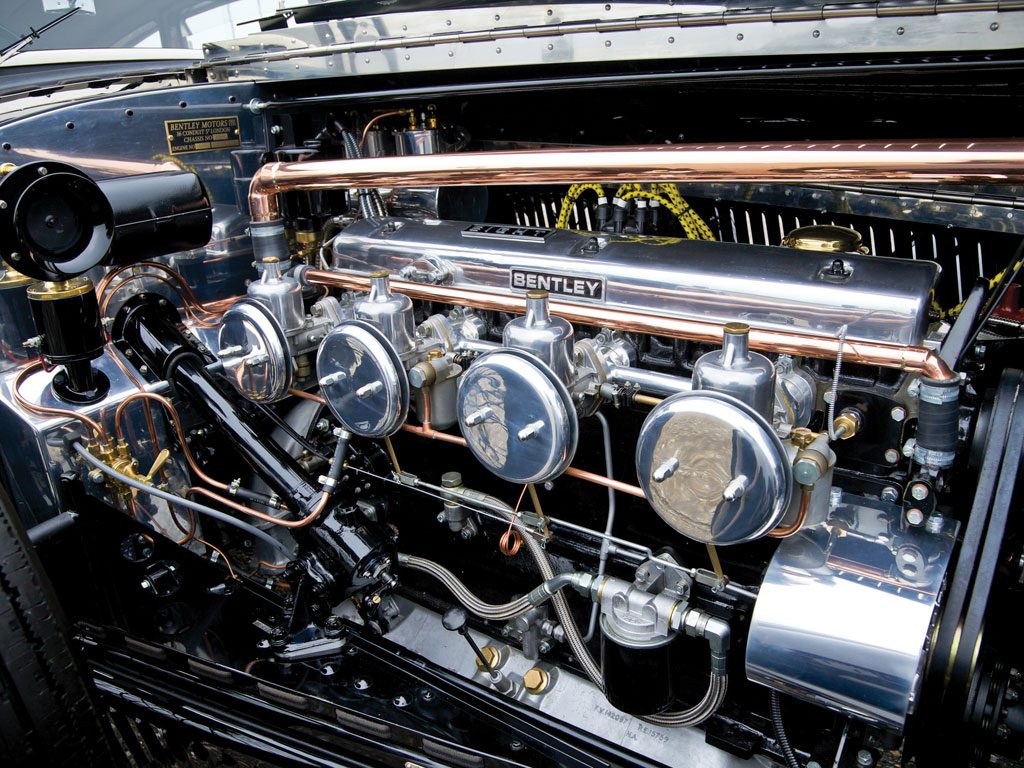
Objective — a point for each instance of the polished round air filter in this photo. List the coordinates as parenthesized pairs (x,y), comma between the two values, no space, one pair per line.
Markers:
(713,469)
(254,351)
(363,380)
(517,417)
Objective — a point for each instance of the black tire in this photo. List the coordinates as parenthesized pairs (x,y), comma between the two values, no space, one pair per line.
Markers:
(46,716)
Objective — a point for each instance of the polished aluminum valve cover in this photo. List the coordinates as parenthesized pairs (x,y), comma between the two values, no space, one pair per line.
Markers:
(363,380)
(517,417)
(253,348)
(878,299)
(713,469)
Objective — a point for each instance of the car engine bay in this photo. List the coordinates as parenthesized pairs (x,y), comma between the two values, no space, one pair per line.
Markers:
(494,442)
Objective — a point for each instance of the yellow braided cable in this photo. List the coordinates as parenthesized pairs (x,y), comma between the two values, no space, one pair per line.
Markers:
(569,202)
(992,283)
(672,191)
(689,229)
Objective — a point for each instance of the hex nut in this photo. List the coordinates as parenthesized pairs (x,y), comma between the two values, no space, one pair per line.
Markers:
(536,680)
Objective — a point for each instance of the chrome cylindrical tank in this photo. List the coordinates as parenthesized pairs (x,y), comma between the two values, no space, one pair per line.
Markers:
(735,370)
(281,295)
(390,312)
(543,336)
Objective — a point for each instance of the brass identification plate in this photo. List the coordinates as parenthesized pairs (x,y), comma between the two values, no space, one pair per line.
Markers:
(202,134)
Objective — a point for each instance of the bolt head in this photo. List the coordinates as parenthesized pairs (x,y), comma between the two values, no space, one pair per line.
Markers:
(914,516)
(890,494)
(919,491)
(898,413)
(865,759)
(892,455)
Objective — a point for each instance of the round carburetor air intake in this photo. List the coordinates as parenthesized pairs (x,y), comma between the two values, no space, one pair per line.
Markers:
(713,469)
(517,417)
(363,380)
(254,351)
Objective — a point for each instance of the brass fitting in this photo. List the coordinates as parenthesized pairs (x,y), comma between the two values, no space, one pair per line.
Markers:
(847,424)
(493,656)
(801,437)
(536,680)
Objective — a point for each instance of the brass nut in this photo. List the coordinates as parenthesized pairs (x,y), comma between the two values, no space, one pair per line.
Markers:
(536,680)
(848,424)
(493,656)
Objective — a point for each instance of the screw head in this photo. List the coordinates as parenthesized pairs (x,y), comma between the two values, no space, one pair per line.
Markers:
(892,455)
(889,494)
(919,491)
(914,516)
(865,759)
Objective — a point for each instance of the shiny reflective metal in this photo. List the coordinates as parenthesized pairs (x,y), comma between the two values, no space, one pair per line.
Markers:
(363,380)
(390,312)
(279,294)
(845,610)
(419,142)
(530,35)
(376,144)
(795,393)
(825,238)
(254,350)
(458,203)
(517,417)
(884,300)
(735,370)
(713,469)
(547,338)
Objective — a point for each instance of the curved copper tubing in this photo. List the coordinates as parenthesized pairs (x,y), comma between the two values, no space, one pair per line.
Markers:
(932,162)
(801,516)
(176,420)
(917,359)
(46,410)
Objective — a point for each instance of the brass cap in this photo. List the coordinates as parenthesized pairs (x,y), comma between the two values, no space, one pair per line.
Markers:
(536,294)
(65,289)
(825,238)
(379,273)
(536,680)
(493,656)
(736,328)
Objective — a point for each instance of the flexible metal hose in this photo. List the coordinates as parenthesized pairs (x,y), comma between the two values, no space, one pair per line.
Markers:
(370,203)
(461,592)
(775,706)
(699,712)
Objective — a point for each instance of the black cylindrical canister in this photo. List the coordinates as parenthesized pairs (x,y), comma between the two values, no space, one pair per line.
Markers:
(637,677)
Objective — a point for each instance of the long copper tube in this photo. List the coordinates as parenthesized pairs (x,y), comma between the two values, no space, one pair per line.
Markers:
(801,516)
(917,359)
(931,162)
(46,410)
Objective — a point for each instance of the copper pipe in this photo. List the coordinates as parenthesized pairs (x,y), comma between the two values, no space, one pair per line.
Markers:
(317,510)
(931,162)
(607,482)
(46,410)
(307,396)
(917,359)
(801,516)
(377,119)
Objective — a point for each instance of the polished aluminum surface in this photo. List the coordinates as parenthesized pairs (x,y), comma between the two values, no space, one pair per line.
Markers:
(914,358)
(418,142)
(737,371)
(362,377)
(547,338)
(713,469)
(845,610)
(884,300)
(534,35)
(459,203)
(254,350)
(517,417)
(280,294)
(570,698)
(389,312)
